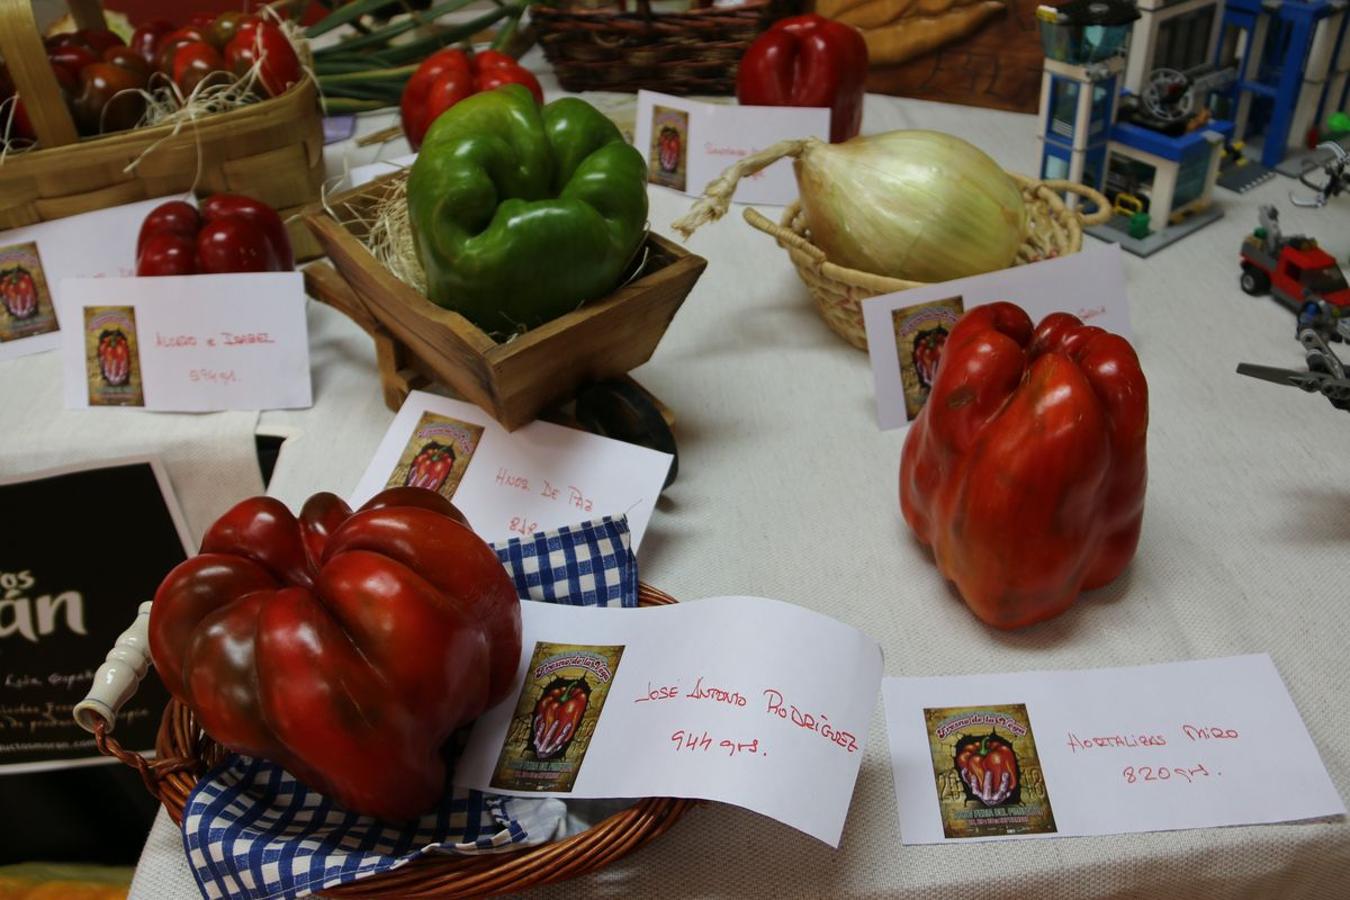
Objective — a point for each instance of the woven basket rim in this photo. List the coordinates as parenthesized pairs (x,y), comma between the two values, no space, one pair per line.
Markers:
(149,134)
(615,13)
(838,290)
(183,752)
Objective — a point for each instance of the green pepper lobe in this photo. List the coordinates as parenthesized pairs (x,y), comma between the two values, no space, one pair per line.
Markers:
(521,214)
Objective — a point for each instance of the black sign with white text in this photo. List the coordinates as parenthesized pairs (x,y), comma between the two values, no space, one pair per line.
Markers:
(79,552)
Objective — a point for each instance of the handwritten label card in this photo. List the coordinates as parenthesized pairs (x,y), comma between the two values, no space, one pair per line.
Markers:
(687,143)
(36,258)
(740,699)
(514,483)
(190,343)
(906,330)
(1101,751)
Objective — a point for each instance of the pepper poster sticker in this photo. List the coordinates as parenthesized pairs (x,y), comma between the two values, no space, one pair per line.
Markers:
(26,307)
(669,153)
(989,777)
(112,360)
(920,333)
(437,454)
(560,703)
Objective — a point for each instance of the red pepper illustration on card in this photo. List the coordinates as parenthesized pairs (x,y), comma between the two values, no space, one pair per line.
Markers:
(437,454)
(556,715)
(112,361)
(920,334)
(989,777)
(668,155)
(25,302)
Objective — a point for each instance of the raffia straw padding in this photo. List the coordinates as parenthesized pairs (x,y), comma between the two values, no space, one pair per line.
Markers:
(271,150)
(184,752)
(1055,230)
(694,51)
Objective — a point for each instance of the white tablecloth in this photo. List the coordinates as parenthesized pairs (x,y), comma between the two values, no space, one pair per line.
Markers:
(787,489)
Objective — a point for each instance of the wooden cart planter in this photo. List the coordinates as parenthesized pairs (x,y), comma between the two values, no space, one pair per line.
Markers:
(416,340)
(271,150)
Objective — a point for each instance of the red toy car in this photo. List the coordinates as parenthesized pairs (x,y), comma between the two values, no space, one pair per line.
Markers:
(1294,270)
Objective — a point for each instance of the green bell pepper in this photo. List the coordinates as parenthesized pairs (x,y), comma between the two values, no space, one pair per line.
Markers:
(520,214)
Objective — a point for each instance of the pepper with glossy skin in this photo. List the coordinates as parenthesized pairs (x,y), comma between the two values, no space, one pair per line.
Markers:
(231,233)
(808,61)
(448,76)
(520,214)
(346,647)
(1026,468)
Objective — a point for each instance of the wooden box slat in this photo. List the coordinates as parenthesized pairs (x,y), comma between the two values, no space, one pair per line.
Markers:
(517,379)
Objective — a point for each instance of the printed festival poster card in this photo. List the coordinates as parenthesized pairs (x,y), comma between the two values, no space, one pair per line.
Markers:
(80,549)
(514,483)
(1039,754)
(715,699)
(688,143)
(191,343)
(907,330)
(35,259)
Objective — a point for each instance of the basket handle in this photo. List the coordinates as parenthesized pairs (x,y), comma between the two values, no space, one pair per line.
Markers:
(117,679)
(784,235)
(21,46)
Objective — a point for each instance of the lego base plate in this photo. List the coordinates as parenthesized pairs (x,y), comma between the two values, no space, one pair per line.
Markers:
(1241,179)
(1116,230)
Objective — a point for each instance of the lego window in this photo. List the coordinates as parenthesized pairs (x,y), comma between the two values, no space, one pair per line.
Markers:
(1192,178)
(1064,107)
(1183,41)
(1129,177)
(1055,168)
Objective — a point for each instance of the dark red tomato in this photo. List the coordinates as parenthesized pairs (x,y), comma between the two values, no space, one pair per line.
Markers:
(175,217)
(146,38)
(232,245)
(256,41)
(225,27)
(195,63)
(127,58)
(108,99)
(167,253)
(171,41)
(100,39)
(71,57)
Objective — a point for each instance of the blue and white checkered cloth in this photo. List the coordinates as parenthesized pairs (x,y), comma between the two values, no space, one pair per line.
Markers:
(251,830)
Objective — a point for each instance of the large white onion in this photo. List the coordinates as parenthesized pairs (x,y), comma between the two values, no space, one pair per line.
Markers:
(917,205)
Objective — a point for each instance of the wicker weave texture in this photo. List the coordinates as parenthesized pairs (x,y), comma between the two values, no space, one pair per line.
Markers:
(271,150)
(183,752)
(690,52)
(1053,230)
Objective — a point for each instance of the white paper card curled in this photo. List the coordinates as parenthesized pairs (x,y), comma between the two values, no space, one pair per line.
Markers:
(906,330)
(36,258)
(745,700)
(687,143)
(514,483)
(1196,744)
(363,175)
(186,343)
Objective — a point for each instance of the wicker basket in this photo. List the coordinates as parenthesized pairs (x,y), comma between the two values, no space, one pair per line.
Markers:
(1053,229)
(688,52)
(272,150)
(184,752)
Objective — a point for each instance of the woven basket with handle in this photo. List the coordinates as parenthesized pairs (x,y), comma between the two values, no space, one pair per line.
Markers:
(694,51)
(183,752)
(1053,229)
(271,150)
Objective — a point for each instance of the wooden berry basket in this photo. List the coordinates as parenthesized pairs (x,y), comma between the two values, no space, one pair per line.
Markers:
(694,51)
(513,381)
(183,752)
(271,150)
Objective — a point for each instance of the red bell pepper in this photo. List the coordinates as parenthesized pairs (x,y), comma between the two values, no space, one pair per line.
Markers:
(557,716)
(808,61)
(346,647)
(231,233)
(1026,468)
(448,76)
(988,766)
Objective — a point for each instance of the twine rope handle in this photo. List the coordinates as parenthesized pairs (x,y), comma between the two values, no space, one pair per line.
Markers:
(717,195)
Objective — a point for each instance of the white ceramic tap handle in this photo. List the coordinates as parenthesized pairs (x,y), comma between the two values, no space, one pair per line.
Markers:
(117,679)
